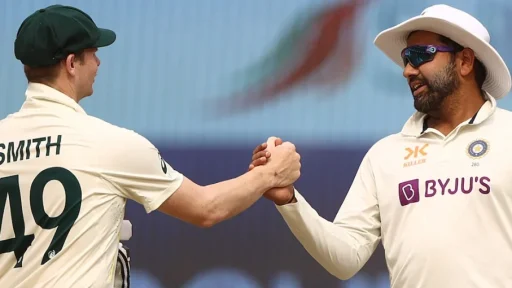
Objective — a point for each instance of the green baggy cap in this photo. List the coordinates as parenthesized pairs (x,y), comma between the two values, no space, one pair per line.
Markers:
(52,33)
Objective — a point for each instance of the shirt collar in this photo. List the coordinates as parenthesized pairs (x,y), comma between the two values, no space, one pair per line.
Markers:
(416,124)
(41,94)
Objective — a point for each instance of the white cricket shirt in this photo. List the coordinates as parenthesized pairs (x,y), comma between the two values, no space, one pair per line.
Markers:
(442,207)
(66,177)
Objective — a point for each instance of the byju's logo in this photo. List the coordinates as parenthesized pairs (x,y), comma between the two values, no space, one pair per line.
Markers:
(409,191)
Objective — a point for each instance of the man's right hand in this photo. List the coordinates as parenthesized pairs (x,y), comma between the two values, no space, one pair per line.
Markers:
(261,155)
(283,166)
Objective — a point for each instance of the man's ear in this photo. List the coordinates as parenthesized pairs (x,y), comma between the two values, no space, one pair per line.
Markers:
(69,62)
(467,61)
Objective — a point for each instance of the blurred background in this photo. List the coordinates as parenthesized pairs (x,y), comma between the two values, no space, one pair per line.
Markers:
(207,81)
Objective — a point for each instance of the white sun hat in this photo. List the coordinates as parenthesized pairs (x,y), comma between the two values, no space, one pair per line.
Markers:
(460,27)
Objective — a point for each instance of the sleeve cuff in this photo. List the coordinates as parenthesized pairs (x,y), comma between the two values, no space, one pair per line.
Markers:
(292,207)
(157,202)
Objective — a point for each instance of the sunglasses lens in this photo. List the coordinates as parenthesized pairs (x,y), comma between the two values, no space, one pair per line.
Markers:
(415,57)
(422,58)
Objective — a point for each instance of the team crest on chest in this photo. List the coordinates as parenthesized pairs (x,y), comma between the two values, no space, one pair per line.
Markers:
(477,149)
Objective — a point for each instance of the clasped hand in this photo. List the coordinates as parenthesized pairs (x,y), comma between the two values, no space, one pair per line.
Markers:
(284,161)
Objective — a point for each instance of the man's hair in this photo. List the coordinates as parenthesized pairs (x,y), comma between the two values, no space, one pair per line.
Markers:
(47,74)
(480,70)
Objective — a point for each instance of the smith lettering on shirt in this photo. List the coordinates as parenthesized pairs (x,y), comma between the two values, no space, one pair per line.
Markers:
(64,181)
(27,149)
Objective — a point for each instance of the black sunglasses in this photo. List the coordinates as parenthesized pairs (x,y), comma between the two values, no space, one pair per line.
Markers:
(420,54)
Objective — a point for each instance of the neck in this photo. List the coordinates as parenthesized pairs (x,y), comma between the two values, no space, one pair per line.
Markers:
(65,88)
(456,109)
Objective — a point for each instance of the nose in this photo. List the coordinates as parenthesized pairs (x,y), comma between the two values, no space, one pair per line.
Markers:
(98,62)
(410,71)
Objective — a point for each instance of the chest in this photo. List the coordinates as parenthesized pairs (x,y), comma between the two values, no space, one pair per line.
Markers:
(452,178)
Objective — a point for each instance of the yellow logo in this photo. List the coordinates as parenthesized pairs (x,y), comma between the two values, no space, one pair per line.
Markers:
(416,153)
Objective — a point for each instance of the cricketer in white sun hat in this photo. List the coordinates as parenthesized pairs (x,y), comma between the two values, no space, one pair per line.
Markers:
(460,27)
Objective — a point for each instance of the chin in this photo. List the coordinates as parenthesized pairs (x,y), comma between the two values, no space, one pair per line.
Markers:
(85,95)
(420,107)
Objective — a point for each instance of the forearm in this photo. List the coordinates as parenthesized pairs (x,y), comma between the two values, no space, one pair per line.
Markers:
(341,251)
(229,198)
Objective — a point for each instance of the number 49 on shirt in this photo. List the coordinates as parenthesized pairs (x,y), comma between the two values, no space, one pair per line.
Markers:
(10,187)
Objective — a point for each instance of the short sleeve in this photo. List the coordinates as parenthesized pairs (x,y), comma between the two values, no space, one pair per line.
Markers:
(135,167)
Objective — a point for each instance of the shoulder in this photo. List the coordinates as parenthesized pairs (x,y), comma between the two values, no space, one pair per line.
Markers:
(113,142)
(385,146)
(503,114)
(393,151)
(498,124)
(110,133)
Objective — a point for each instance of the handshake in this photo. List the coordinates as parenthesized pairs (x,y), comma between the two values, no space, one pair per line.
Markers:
(280,162)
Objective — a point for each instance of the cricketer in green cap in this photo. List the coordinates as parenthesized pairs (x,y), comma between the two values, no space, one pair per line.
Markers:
(58,43)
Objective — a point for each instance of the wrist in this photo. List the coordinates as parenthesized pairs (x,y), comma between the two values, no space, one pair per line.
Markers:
(293,199)
(264,177)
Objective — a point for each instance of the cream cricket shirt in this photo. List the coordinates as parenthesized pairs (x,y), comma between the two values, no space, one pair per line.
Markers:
(442,207)
(64,181)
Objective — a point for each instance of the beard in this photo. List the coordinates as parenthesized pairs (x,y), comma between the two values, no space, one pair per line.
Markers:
(441,86)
